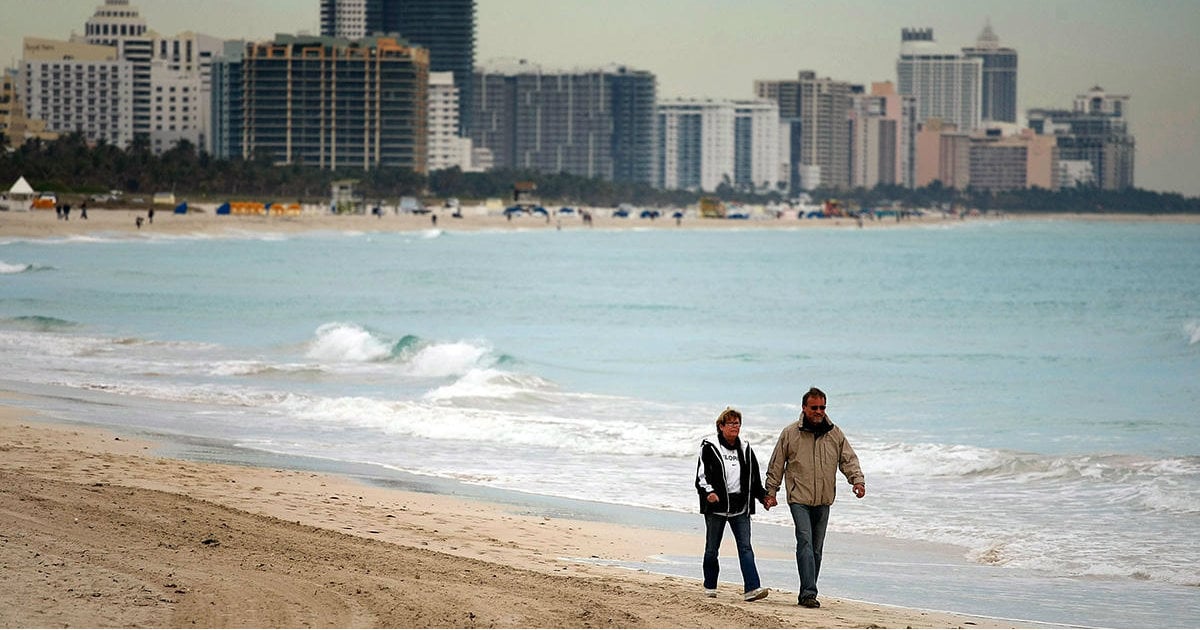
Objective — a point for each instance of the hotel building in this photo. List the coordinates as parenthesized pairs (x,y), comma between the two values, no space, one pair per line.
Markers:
(1002,157)
(946,86)
(1095,131)
(446,148)
(75,87)
(325,102)
(596,123)
(446,28)
(998,96)
(815,118)
(696,144)
(756,148)
(170,75)
(883,128)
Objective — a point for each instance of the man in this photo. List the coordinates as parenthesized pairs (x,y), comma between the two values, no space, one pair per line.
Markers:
(808,455)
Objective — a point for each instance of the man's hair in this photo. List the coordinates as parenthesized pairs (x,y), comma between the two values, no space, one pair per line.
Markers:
(813,392)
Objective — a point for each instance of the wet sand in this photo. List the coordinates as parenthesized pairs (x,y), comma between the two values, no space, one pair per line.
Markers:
(98,530)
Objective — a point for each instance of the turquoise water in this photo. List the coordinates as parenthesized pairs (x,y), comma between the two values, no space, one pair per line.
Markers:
(1023,392)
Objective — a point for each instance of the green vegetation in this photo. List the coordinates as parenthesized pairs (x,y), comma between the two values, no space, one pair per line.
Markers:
(69,165)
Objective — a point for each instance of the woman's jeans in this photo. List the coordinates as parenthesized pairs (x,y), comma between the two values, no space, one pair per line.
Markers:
(810,523)
(715,529)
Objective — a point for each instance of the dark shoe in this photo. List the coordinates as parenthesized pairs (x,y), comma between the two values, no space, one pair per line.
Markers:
(810,602)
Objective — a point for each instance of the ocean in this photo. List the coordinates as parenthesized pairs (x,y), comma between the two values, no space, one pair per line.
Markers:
(1023,394)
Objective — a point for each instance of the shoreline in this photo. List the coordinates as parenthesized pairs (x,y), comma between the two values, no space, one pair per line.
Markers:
(123,222)
(101,530)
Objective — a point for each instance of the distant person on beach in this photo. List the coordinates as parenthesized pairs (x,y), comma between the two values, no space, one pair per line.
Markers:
(808,455)
(728,482)
(150,215)
(83,211)
(138,222)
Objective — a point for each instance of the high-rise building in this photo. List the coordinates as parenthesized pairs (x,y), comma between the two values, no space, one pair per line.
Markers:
(998,100)
(756,145)
(1002,157)
(181,88)
(446,148)
(943,155)
(594,123)
(445,27)
(349,19)
(77,87)
(15,126)
(883,126)
(227,101)
(704,143)
(995,157)
(117,23)
(170,75)
(946,86)
(696,144)
(1095,130)
(322,102)
(815,115)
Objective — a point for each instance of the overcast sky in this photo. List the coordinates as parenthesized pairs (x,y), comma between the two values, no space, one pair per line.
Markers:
(717,48)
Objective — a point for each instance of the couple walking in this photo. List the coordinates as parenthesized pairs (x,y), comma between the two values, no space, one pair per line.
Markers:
(806,459)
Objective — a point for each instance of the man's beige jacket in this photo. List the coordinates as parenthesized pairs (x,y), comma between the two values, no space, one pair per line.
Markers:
(807,463)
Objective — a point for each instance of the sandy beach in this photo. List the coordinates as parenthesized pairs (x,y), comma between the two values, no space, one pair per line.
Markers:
(43,223)
(102,530)
(96,530)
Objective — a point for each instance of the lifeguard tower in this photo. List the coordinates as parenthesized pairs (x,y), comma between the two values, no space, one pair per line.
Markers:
(344,199)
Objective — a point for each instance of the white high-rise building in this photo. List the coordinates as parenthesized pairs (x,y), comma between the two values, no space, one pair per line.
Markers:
(118,24)
(947,86)
(446,148)
(696,144)
(344,18)
(171,76)
(75,87)
(181,88)
(756,145)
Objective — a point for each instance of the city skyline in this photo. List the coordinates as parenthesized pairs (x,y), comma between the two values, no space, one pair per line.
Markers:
(718,48)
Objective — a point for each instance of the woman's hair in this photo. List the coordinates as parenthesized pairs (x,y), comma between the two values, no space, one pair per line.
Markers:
(729,414)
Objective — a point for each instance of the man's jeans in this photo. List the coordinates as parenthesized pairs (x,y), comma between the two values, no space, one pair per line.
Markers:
(810,523)
(715,529)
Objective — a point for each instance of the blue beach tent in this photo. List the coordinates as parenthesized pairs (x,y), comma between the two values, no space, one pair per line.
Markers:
(223,208)
(181,208)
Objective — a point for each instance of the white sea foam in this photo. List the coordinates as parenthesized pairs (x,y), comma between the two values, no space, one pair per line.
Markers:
(252,367)
(9,268)
(341,342)
(937,459)
(1192,330)
(447,359)
(485,383)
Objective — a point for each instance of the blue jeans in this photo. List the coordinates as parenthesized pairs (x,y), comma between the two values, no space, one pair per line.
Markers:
(810,523)
(714,526)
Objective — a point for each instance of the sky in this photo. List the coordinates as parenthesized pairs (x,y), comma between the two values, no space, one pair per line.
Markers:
(718,48)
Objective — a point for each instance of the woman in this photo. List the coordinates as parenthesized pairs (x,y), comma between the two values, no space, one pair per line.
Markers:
(728,482)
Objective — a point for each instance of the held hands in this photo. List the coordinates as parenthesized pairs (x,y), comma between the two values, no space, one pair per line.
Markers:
(769,502)
(712,497)
(860,490)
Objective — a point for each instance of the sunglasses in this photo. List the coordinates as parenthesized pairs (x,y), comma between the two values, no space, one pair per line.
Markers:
(817,407)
